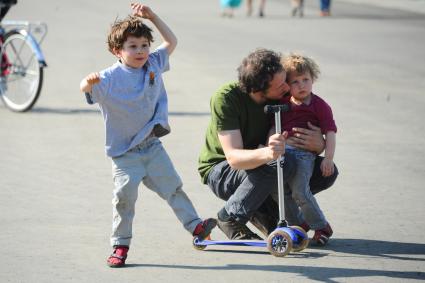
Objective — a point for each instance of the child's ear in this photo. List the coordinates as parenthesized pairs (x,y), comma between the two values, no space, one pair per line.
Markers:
(117,52)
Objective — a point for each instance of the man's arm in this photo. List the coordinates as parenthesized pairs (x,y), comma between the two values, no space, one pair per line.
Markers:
(309,139)
(245,159)
(168,37)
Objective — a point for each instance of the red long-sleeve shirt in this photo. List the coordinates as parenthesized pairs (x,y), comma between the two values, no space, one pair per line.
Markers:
(318,112)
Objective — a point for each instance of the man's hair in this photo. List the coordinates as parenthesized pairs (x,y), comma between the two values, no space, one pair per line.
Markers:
(300,64)
(258,69)
(122,29)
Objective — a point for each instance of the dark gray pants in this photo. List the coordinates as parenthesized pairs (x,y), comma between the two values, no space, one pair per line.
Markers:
(248,191)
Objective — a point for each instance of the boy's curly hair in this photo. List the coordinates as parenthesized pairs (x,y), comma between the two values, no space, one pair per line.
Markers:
(122,29)
(300,64)
(258,69)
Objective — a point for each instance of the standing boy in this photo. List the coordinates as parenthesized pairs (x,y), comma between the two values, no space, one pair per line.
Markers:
(133,102)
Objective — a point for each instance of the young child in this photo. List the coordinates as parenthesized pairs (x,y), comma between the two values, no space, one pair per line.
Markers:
(306,107)
(133,102)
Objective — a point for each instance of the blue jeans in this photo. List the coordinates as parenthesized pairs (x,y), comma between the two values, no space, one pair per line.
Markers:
(243,190)
(325,5)
(300,204)
(250,191)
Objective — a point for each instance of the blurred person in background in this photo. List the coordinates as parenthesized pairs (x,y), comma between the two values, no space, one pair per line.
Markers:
(297,8)
(325,8)
(228,7)
(260,8)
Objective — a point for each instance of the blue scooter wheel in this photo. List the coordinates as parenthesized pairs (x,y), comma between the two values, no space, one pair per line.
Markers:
(196,246)
(301,241)
(279,243)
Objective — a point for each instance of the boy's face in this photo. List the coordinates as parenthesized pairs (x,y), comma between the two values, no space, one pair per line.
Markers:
(277,87)
(135,52)
(301,85)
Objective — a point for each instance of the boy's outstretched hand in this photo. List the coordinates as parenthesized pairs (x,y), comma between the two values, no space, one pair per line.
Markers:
(90,80)
(93,78)
(142,11)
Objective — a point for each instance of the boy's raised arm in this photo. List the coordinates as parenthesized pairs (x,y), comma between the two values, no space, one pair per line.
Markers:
(168,37)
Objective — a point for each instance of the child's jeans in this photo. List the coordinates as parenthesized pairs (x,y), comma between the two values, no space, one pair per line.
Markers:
(300,204)
(147,162)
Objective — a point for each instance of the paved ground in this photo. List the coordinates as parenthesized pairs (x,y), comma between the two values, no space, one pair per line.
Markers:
(55,185)
(417,6)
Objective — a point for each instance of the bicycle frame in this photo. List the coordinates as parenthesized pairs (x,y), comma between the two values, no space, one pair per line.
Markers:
(27,29)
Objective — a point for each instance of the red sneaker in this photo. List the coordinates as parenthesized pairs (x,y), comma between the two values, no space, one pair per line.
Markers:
(118,256)
(305,226)
(203,229)
(321,236)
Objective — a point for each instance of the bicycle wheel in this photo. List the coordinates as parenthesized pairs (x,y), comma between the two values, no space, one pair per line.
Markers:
(21,73)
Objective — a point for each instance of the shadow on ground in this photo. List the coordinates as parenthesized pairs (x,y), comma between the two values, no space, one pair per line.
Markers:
(350,247)
(377,248)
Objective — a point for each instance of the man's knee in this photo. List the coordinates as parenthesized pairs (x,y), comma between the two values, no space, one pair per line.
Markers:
(266,170)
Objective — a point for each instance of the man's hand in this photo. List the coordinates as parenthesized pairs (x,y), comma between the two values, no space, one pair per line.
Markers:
(276,145)
(246,159)
(142,11)
(308,139)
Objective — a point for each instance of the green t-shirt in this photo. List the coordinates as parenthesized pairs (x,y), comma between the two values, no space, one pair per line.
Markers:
(232,109)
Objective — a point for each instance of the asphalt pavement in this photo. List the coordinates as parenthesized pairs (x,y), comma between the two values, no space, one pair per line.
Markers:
(55,180)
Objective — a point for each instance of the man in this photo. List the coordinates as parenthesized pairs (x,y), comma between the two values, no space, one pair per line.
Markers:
(236,162)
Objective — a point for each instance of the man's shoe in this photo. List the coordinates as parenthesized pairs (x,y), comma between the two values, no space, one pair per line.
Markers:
(235,230)
(263,222)
(321,236)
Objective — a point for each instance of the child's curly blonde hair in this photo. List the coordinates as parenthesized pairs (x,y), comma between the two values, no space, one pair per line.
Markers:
(122,29)
(300,64)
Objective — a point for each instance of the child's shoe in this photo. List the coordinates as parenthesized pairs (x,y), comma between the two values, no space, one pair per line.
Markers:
(321,236)
(305,226)
(203,229)
(118,256)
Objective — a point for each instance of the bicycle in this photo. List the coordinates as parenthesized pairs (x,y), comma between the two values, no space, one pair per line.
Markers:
(21,63)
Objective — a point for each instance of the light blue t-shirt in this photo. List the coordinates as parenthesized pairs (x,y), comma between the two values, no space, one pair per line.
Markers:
(133,102)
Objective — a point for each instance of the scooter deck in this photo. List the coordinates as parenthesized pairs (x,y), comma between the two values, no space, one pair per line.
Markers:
(255,243)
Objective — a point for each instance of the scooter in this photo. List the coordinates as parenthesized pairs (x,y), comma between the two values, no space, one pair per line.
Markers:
(284,238)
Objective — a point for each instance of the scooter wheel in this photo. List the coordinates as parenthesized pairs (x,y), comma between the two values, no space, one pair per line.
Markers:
(302,238)
(279,243)
(198,247)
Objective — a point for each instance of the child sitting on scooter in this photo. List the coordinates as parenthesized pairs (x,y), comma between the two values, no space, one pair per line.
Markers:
(133,102)
(306,107)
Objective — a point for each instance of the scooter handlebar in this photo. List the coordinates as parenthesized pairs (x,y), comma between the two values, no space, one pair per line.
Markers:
(276,108)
